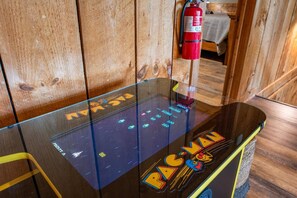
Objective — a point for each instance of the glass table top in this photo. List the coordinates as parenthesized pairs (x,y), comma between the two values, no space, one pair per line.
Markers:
(135,141)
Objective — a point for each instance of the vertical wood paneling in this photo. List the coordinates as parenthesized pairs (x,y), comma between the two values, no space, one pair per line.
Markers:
(289,54)
(234,72)
(271,50)
(6,113)
(256,36)
(266,40)
(154,38)
(279,83)
(181,67)
(108,38)
(41,53)
(282,23)
(287,93)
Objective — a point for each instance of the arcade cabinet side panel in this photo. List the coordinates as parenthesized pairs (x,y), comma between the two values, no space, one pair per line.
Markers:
(223,183)
(10,143)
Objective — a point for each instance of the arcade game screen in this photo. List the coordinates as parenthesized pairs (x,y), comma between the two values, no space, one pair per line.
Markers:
(107,148)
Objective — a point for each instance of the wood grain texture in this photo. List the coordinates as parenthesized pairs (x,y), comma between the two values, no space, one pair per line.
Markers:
(289,54)
(6,113)
(210,82)
(235,70)
(271,51)
(41,53)
(209,46)
(254,43)
(287,93)
(229,8)
(273,172)
(181,67)
(108,39)
(231,38)
(282,24)
(236,26)
(208,85)
(155,21)
(276,85)
(264,48)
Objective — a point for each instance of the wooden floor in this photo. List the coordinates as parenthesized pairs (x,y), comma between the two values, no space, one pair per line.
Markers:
(211,81)
(274,169)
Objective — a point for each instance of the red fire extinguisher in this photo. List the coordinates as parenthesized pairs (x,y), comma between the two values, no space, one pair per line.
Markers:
(190,30)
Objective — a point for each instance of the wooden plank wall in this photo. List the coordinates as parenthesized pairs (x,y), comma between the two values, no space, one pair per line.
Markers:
(6,113)
(229,8)
(40,49)
(154,38)
(180,71)
(287,93)
(58,53)
(108,38)
(281,88)
(271,51)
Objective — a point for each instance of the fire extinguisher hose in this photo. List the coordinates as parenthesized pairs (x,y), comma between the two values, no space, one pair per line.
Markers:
(181,32)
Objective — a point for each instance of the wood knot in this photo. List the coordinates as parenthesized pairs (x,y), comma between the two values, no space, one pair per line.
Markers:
(141,73)
(26,87)
(156,69)
(186,77)
(54,81)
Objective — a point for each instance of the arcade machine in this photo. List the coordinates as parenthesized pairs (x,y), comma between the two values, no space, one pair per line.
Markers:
(145,140)
(150,139)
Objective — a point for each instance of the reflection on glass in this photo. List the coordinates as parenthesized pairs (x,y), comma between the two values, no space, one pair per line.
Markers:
(109,146)
(123,140)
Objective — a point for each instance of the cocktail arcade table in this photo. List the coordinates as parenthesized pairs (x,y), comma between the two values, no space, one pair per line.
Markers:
(145,140)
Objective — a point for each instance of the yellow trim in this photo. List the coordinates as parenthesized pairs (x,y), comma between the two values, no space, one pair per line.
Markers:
(200,188)
(175,87)
(18,180)
(13,157)
(237,172)
(23,155)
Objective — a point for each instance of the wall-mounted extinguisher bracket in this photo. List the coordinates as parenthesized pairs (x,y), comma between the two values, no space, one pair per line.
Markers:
(190,30)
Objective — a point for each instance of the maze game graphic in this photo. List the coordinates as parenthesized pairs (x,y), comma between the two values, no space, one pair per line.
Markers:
(106,149)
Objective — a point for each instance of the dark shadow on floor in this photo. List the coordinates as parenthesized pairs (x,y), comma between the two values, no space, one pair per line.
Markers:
(212,56)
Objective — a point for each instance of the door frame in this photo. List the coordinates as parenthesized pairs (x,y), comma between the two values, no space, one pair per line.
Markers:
(245,14)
